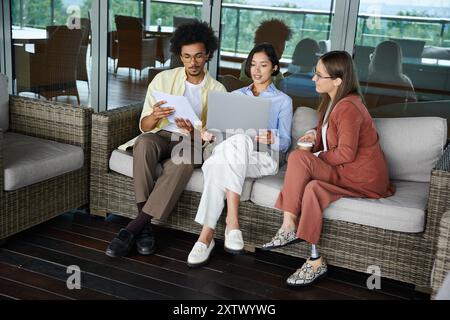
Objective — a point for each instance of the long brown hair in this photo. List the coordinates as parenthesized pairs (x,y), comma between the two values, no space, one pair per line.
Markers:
(339,64)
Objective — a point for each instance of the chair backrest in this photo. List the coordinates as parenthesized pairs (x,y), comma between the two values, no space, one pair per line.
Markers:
(231,83)
(86,25)
(411,48)
(4,103)
(361,57)
(386,78)
(305,55)
(62,51)
(177,20)
(130,31)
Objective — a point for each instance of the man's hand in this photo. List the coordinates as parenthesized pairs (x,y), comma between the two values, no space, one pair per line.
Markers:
(161,112)
(184,125)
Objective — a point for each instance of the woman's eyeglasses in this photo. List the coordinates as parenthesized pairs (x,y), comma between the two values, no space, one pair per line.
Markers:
(319,76)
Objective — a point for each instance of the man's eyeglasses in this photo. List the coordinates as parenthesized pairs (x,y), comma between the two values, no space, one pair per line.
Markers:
(197,57)
(319,76)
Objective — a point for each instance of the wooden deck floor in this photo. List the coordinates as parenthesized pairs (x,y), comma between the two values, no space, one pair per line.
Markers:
(33,265)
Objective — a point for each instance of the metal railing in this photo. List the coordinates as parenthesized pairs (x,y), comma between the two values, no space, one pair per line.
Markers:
(404,21)
(365,35)
(237,40)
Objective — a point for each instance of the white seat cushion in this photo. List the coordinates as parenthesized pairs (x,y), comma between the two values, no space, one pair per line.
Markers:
(122,162)
(405,211)
(28,160)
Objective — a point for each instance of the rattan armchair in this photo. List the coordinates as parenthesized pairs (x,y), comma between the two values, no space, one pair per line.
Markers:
(28,206)
(407,257)
(442,263)
(134,50)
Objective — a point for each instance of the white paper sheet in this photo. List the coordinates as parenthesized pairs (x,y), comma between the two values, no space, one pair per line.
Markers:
(183,108)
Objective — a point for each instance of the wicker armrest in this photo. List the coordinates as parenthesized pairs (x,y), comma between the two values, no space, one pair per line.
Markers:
(442,262)
(438,197)
(110,129)
(51,120)
(444,162)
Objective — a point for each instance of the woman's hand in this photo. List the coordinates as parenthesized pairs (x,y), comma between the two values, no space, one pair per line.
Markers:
(184,125)
(266,137)
(309,137)
(207,136)
(161,112)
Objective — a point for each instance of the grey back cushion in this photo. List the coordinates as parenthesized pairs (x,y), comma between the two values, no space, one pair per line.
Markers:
(303,120)
(4,103)
(412,146)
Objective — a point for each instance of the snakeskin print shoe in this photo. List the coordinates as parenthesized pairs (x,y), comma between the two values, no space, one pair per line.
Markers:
(281,239)
(306,275)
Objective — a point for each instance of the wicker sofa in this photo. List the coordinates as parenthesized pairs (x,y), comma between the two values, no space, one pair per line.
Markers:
(44,161)
(442,263)
(403,256)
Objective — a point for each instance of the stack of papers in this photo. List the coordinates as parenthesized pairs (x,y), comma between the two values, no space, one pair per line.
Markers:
(183,108)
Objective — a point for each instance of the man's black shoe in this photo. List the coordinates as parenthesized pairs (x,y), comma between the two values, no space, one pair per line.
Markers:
(145,241)
(121,245)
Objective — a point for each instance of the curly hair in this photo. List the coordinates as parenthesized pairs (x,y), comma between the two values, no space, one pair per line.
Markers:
(272,31)
(194,32)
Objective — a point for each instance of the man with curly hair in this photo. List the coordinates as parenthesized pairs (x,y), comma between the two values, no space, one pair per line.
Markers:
(157,195)
(275,32)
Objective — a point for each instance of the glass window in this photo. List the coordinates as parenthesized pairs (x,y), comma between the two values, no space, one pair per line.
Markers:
(248,22)
(402,52)
(136,51)
(51,49)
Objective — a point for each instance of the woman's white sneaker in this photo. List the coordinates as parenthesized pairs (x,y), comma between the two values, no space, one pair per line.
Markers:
(200,254)
(234,243)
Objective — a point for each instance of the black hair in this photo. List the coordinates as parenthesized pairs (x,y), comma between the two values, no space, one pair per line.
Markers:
(194,32)
(269,50)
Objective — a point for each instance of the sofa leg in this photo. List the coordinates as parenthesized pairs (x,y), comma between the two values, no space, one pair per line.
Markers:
(249,248)
(98,213)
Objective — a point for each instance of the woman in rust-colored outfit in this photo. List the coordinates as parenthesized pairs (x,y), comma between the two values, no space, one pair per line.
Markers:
(346,161)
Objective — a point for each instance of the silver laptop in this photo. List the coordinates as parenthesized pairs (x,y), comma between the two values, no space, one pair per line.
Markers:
(237,112)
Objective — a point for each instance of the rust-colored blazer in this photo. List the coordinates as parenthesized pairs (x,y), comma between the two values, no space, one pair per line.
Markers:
(354,149)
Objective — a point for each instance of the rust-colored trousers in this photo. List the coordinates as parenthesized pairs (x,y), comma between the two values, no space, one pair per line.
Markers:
(310,185)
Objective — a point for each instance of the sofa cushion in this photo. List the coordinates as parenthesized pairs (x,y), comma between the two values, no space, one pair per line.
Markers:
(412,146)
(4,103)
(304,119)
(404,211)
(28,160)
(410,156)
(122,162)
